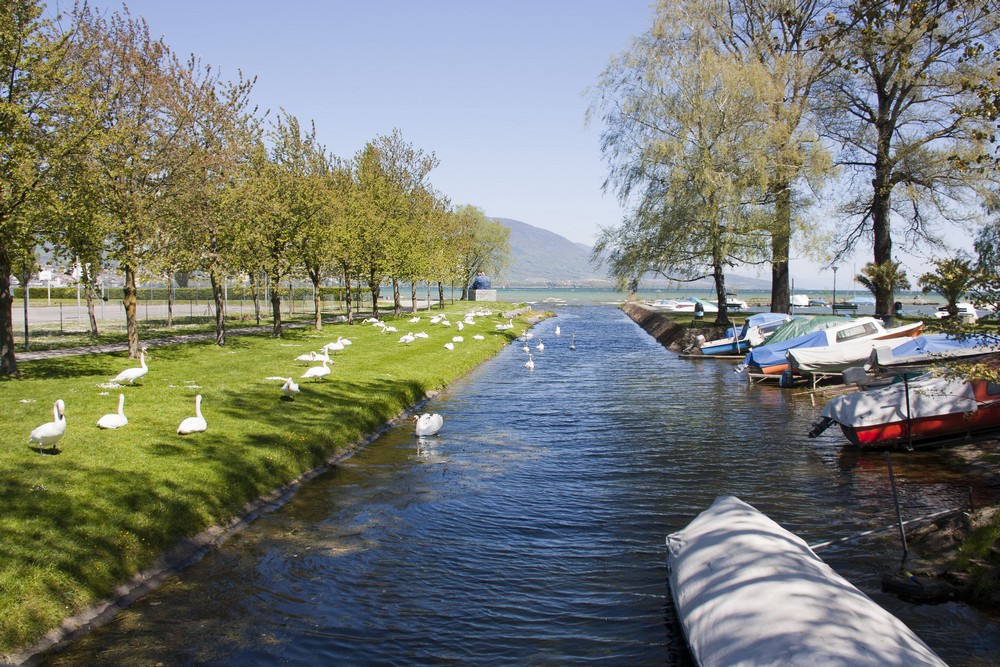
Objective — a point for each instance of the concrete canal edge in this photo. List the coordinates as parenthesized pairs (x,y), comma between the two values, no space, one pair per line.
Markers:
(668,331)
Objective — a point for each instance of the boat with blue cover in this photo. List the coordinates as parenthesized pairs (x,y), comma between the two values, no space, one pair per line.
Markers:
(755,331)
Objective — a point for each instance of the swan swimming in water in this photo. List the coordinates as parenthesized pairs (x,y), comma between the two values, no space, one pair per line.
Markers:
(130,375)
(541,346)
(115,419)
(428,424)
(49,433)
(195,424)
(530,363)
(558,332)
(572,341)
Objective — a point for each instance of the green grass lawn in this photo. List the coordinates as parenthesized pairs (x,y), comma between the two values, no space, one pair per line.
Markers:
(79,522)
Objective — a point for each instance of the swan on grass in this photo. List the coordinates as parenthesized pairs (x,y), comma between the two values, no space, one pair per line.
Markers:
(317,371)
(195,424)
(290,388)
(449,345)
(428,424)
(115,419)
(48,434)
(313,356)
(130,375)
(479,337)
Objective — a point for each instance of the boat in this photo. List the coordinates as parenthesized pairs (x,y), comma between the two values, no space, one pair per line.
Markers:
(732,303)
(927,411)
(685,305)
(818,302)
(771,358)
(755,331)
(800,300)
(966,311)
(749,592)
(930,349)
(814,361)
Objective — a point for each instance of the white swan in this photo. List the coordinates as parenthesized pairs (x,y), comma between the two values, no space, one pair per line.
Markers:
(414,319)
(479,337)
(407,338)
(317,371)
(49,433)
(530,363)
(450,345)
(290,388)
(312,356)
(130,375)
(505,327)
(558,332)
(335,346)
(460,325)
(195,424)
(572,341)
(115,419)
(540,346)
(457,339)
(428,424)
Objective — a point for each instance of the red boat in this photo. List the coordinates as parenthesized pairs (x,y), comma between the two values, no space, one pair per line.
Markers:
(923,412)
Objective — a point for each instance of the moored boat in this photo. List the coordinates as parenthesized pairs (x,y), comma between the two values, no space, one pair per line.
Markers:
(686,305)
(771,358)
(812,361)
(749,592)
(755,331)
(927,411)
(929,349)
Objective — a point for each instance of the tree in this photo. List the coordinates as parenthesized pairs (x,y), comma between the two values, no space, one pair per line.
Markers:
(43,119)
(485,247)
(904,105)
(881,278)
(684,120)
(951,278)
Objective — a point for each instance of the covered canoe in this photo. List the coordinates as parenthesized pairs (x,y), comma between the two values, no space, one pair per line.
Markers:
(749,592)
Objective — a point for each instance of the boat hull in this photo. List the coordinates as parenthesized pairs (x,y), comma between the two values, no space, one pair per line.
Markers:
(925,432)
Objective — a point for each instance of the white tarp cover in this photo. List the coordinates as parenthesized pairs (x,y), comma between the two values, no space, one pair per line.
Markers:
(748,592)
(837,357)
(928,396)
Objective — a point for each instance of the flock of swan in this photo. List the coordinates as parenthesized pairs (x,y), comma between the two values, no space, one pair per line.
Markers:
(49,433)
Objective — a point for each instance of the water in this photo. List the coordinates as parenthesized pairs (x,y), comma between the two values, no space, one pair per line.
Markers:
(531,531)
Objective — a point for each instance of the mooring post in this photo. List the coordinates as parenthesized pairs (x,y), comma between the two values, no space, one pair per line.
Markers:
(899,515)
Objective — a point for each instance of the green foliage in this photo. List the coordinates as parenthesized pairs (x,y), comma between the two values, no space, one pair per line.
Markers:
(78,523)
(886,276)
(952,278)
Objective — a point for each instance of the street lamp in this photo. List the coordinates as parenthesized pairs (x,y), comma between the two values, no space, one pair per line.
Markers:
(834,306)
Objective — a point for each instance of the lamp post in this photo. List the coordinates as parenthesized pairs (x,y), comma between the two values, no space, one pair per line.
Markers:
(834,306)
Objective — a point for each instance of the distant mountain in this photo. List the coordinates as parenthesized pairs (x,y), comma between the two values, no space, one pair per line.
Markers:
(542,258)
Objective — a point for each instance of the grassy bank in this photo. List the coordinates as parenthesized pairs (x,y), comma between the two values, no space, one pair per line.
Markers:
(77,523)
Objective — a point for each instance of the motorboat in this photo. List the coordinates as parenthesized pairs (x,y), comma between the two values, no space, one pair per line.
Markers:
(771,358)
(749,592)
(800,300)
(734,303)
(930,349)
(966,311)
(834,358)
(927,411)
(755,331)
(686,305)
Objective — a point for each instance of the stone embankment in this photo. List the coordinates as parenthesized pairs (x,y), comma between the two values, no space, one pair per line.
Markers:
(670,332)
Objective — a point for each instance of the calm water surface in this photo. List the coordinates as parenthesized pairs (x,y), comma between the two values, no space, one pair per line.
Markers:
(531,531)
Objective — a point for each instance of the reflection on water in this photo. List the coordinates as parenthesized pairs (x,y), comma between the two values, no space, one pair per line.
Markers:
(531,530)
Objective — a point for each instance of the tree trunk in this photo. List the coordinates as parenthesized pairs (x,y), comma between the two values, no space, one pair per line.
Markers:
(373,287)
(413,296)
(315,278)
(397,304)
(881,211)
(170,299)
(131,324)
(8,360)
(255,294)
(441,294)
(465,293)
(276,312)
(88,291)
(347,296)
(722,317)
(220,309)
(781,301)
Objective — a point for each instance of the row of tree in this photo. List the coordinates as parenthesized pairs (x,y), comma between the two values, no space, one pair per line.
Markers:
(117,153)
(729,117)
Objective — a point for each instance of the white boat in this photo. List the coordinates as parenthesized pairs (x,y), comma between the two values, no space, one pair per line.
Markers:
(755,331)
(686,305)
(800,300)
(808,361)
(749,592)
(966,311)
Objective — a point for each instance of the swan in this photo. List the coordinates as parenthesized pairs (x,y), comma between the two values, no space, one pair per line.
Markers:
(540,346)
(414,320)
(437,318)
(421,334)
(558,332)
(115,419)
(526,348)
(530,363)
(428,424)
(290,388)
(445,323)
(505,327)
(50,432)
(195,424)
(457,339)
(312,356)
(335,346)
(317,371)
(450,345)
(408,338)
(479,337)
(460,325)
(572,341)
(130,375)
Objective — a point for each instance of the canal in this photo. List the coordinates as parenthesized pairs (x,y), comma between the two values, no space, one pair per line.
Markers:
(531,530)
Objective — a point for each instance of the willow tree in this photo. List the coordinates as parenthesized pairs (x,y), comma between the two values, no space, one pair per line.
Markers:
(905,105)
(43,119)
(684,120)
(783,37)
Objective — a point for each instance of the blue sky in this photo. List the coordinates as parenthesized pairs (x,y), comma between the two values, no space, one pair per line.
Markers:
(494,89)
